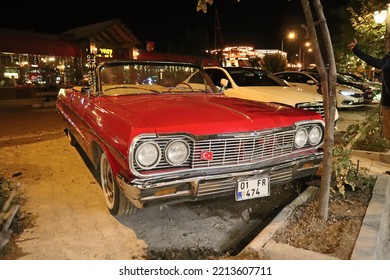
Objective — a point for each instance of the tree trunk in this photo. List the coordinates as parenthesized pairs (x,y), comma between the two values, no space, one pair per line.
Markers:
(327,72)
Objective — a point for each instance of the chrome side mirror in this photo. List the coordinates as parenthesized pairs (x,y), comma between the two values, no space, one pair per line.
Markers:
(224,83)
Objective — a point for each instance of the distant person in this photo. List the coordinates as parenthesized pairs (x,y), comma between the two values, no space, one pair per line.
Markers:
(13,81)
(384,65)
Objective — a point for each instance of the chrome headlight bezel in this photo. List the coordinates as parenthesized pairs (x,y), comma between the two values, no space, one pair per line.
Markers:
(315,135)
(301,137)
(177,152)
(148,155)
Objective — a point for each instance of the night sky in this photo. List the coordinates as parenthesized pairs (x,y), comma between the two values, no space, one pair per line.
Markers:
(259,23)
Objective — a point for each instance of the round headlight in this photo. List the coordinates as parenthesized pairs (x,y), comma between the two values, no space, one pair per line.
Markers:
(315,135)
(300,137)
(177,152)
(148,155)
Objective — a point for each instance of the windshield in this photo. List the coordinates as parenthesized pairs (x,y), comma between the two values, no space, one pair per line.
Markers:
(245,77)
(145,77)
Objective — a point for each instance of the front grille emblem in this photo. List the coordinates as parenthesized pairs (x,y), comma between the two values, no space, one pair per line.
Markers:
(206,155)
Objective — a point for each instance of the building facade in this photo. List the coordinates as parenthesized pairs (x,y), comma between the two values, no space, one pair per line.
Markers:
(34,62)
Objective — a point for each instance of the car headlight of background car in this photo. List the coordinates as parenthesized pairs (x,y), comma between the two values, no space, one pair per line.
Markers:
(347,93)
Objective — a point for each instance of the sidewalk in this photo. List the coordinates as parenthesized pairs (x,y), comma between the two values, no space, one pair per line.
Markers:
(373,242)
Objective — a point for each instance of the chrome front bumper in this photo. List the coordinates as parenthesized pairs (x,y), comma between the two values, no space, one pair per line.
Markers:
(142,192)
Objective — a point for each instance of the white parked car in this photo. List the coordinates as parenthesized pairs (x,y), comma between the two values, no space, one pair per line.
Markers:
(260,85)
(376,87)
(347,96)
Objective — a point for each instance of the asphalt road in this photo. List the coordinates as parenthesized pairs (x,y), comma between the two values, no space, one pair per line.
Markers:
(23,120)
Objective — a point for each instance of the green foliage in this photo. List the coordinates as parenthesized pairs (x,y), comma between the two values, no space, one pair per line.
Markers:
(367,136)
(369,34)
(254,61)
(202,5)
(371,138)
(274,63)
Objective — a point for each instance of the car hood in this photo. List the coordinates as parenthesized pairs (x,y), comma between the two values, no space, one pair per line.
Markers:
(203,114)
(286,95)
(348,88)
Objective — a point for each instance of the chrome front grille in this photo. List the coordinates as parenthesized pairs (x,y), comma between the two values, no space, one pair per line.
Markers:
(223,151)
(235,151)
(317,107)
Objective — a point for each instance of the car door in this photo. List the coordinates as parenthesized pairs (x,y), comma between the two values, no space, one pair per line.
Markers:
(78,102)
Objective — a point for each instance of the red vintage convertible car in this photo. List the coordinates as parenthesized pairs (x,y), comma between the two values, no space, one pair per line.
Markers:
(160,132)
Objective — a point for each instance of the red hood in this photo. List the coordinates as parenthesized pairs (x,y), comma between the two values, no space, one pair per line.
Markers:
(205,114)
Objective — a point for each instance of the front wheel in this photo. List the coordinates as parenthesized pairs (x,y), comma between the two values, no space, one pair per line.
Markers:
(116,201)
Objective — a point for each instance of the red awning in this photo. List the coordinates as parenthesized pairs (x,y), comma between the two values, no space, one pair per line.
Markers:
(41,46)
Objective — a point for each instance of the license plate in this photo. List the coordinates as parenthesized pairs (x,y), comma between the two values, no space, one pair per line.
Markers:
(253,188)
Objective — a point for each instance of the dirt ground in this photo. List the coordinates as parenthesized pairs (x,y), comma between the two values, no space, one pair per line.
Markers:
(69,230)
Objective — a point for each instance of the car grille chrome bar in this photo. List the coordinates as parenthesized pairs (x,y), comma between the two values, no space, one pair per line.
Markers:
(235,151)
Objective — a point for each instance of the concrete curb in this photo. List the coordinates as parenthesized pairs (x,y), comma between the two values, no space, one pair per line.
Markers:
(372,241)
(375,156)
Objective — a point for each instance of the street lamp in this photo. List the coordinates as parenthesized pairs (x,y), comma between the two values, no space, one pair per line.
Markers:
(291,36)
(302,53)
(380,17)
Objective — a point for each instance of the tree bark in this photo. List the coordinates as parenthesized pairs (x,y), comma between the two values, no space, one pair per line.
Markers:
(327,72)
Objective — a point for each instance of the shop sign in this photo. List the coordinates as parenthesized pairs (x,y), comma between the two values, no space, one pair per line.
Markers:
(106,53)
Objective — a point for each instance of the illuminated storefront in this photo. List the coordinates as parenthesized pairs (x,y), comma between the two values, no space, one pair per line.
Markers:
(44,62)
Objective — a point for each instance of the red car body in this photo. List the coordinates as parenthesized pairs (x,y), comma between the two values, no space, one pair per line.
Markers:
(185,142)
